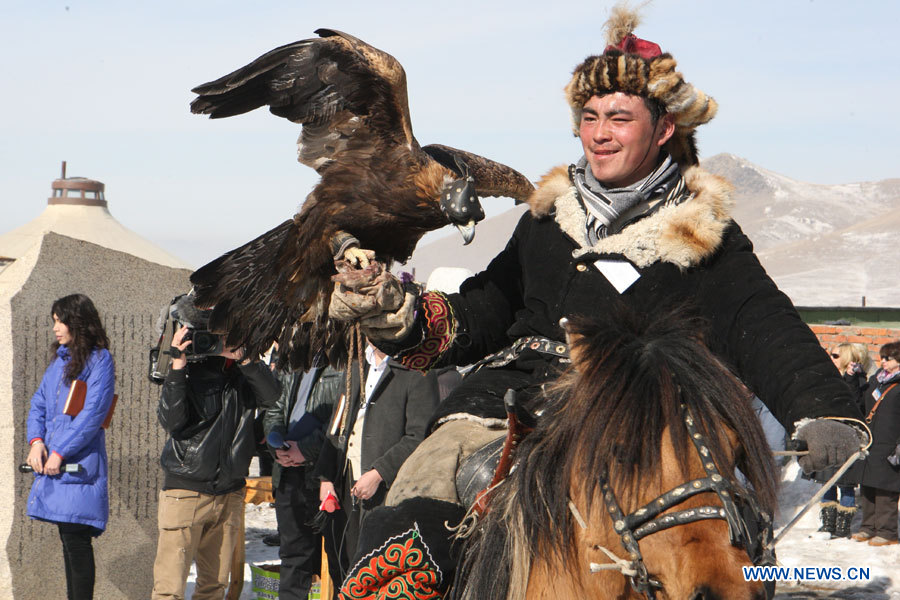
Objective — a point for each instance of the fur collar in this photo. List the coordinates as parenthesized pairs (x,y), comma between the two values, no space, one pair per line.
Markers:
(683,235)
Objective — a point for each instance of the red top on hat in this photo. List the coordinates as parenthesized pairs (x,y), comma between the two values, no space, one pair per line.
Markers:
(631,44)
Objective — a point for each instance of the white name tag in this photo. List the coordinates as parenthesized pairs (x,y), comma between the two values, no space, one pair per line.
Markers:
(620,273)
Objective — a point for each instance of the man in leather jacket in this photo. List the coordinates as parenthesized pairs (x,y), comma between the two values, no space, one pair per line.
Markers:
(298,420)
(207,409)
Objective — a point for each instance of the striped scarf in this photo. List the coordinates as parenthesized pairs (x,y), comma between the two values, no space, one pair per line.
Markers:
(605,207)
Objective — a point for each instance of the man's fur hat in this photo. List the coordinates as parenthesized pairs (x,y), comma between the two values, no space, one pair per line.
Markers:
(635,66)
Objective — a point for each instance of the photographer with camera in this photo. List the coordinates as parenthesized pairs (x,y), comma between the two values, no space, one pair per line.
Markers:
(207,408)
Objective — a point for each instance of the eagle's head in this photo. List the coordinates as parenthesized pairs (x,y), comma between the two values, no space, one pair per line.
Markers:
(461,206)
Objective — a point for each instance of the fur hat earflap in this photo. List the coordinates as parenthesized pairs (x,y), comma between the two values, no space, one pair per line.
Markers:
(635,66)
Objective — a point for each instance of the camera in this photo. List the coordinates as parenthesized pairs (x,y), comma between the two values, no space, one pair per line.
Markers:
(203,343)
(181,311)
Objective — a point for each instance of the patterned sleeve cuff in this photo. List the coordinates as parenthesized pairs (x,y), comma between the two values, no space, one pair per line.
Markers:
(438,332)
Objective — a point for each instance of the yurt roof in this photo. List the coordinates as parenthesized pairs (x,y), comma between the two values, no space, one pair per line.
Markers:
(78,209)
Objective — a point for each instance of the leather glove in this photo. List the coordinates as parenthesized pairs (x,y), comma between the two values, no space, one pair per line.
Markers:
(392,326)
(830,443)
(361,293)
(384,306)
(319,522)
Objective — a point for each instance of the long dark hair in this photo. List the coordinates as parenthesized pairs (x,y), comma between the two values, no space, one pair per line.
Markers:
(632,376)
(79,314)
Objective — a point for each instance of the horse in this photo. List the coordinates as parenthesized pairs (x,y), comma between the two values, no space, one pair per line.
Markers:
(627,488)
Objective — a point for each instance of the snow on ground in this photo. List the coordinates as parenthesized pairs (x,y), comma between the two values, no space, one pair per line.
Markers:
(802,546)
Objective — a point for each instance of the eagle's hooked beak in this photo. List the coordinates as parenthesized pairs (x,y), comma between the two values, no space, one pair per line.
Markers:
(467,231)
(460,205)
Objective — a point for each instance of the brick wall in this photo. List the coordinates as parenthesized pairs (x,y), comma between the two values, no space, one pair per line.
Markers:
(873,337)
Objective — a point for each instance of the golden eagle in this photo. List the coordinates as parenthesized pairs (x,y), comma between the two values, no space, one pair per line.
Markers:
(377,185)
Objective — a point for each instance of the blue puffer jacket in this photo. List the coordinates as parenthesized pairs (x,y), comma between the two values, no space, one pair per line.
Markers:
(73,497)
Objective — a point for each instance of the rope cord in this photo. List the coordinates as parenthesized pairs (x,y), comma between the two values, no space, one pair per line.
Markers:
(626,567)
(859,454)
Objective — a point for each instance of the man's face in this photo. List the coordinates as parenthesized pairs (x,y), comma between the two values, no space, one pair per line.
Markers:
(620,141)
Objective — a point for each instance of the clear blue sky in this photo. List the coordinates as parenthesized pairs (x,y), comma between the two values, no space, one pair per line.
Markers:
(806,88)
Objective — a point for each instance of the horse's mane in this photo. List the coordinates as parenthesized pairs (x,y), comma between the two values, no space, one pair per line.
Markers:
(628,382)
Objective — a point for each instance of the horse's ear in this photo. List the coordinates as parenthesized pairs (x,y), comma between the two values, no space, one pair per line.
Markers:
(575,352)
(573,341)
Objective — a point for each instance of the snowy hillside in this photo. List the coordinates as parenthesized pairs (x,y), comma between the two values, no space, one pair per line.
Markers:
(823,244)
(776,210)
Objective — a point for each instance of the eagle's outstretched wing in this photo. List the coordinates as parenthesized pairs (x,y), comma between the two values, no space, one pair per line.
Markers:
(350,98)
(258,298)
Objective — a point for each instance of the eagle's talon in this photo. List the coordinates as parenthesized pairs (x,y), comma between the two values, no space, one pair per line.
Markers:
(356,257)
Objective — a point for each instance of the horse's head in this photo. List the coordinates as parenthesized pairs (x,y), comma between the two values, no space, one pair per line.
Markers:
(629,479)
(693,560)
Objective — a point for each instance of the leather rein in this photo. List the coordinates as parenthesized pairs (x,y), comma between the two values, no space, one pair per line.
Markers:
(649,518)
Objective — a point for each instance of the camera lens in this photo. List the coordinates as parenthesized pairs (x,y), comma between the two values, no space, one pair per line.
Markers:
(205,342)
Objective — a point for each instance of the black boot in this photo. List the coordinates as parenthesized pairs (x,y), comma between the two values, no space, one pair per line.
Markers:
(828,514)
(842,521)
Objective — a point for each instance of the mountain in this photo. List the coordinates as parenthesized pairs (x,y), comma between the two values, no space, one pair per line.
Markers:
(774,209)
(824,245)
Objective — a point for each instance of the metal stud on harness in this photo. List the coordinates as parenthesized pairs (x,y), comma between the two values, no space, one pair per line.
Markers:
(650,519)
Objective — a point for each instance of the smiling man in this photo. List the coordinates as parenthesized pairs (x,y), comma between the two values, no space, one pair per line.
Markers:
(636,225)
(622,136)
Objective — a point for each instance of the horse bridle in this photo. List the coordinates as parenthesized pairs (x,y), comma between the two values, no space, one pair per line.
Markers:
(736,509)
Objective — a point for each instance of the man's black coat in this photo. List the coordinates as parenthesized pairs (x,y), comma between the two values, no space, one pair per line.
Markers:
(395,424)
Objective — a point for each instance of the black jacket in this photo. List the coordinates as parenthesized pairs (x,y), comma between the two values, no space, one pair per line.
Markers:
(885,426)
(690,255)
(208,412)
(395,423)
(327,389)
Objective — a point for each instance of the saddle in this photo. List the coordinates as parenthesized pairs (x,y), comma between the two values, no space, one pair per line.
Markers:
(482,470)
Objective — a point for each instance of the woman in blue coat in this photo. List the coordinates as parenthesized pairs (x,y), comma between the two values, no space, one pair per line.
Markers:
(78,502)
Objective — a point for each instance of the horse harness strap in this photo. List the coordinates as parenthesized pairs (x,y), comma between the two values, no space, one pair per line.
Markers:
(534,343)
(649,519)
(640,581)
